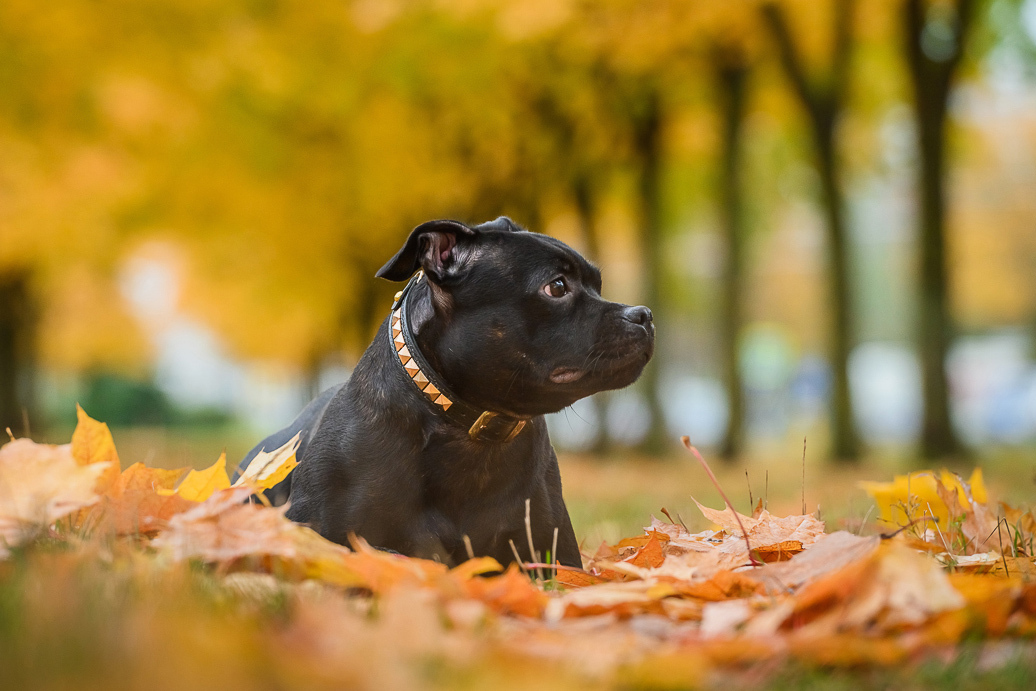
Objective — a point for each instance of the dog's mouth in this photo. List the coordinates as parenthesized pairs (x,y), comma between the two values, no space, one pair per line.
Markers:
(603,367)
(566,375)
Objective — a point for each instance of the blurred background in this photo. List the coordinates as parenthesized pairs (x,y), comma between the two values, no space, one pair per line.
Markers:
(829,205)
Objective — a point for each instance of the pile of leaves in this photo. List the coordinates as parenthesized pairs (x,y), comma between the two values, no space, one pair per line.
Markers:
(101,567)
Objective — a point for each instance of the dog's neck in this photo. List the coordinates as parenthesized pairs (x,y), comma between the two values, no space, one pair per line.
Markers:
(412,310)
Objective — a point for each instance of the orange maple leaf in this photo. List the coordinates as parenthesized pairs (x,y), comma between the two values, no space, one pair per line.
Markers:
(133,504)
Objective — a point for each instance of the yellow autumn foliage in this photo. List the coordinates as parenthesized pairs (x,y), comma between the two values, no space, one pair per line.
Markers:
(912,496)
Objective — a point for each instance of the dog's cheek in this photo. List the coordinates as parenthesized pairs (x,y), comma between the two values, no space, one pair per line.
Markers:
(442,301)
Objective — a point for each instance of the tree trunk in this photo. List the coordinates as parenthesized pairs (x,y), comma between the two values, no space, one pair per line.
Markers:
(648,142)
(845,445)
(17,341)
(731,77)
(823,102)
(931,78)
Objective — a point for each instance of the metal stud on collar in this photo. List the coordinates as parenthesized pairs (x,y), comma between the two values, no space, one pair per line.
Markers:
(412,369)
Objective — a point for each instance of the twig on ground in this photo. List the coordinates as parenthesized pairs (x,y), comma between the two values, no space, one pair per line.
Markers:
(938,529)
(556,567)
(467,547)
(751,502)
(680,518)
(528,534)
(687,442)
(803,476)
(863,524)
(889,536)
(517,558)
(1001,541)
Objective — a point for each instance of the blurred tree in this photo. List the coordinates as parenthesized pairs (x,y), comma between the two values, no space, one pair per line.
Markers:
(731,72)
(17,348)
(935,34)
(824,100)
(63,185)
(576,145)
(645,120)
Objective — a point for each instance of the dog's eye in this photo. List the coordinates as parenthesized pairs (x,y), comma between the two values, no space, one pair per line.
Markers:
(556,288)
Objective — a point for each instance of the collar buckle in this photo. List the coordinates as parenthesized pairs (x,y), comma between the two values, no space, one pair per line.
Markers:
(484,421)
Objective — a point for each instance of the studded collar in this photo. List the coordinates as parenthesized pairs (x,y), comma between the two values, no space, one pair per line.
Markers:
(482,425)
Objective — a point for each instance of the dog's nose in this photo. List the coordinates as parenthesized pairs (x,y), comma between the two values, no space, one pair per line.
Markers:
(638,315)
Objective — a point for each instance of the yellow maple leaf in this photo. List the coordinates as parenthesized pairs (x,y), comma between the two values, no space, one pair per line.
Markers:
(908,497)
(270,467)
(199,485)
(92,442)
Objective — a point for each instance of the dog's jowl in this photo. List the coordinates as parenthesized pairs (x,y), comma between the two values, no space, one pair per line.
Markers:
(439,433)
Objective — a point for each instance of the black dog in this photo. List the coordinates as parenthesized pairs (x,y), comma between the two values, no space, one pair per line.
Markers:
(439,433)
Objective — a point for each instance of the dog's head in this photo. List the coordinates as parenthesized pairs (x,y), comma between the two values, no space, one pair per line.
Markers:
(514,321)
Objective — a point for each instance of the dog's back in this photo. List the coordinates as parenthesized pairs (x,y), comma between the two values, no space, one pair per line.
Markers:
(304,425)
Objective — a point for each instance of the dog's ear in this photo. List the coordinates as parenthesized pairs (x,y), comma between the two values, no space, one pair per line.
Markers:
(432,246)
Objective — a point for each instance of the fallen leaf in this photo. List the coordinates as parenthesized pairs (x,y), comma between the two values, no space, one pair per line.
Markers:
(226,527)
(830,553)
(640,541)
(724,618)
(621,599)
(894,587)
(270,467)
(509,593)
(650,555)
(767,530)
(577,579)
(990,600)
(723,585)
(134,505)
(199,485)
(40,483)
(909,497)
(92,442)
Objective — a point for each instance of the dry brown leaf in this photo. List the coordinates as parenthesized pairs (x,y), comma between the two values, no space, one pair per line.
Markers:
(621,599)
(40,483)
(895,587)
(830,553)
(977,523)
(991,600)
(649,556)
(767,529)
(1021,523)
(132,505)
(226,528)
(642,540)
(577,579)
(510,593)
(723,585)
(680,540)
(782,551)
(721,619)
